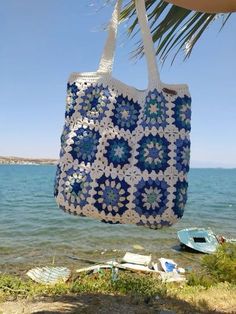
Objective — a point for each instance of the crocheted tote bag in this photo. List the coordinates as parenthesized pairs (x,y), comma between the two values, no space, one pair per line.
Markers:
(125,152)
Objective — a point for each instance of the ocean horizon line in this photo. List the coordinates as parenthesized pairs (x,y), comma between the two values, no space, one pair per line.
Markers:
(49,160)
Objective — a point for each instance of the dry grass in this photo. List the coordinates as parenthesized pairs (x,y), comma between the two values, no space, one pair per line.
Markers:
(220,297)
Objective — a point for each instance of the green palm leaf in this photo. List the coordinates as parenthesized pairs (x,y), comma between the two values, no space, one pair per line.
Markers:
(173,28)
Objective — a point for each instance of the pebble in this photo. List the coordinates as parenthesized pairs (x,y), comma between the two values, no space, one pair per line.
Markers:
(138,247)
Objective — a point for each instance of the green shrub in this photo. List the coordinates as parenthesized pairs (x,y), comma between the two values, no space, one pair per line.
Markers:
(201,279)
(222,264)
(12,285)
(145,285)
(218,267)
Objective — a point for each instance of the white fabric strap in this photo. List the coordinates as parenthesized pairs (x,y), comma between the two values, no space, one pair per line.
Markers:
(106,63)
(107,59)
(149,51)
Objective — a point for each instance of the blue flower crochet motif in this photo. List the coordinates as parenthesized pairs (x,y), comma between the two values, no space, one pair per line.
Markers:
(182,112)
(111,195)
(76,187)
(180,198)
(182,155)
(125,113)
(95,102)
(153,153)
(85,145)
(151,197)
(155,110)
(72,91)
(118,152)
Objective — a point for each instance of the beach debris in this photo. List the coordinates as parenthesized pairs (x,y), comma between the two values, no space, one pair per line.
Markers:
(49,275)
(136,262)
(137,259)
(138,247)
(115,265)
(181,270)
(134,267)
(114,273)
(155,267)
(221,239)
(140,263)
(168,265)
(171,272)
(172,277)
(94,268)
(233,241)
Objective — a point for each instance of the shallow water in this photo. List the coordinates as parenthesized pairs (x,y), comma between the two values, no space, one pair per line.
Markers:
(33,231)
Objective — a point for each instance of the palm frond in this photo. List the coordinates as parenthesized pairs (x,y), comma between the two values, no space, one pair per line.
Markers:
(173,28)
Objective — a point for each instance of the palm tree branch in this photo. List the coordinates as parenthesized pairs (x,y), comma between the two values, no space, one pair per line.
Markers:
(196,31)
(172,27)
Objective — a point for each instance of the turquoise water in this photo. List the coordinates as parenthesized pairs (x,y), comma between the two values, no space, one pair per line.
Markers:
(34,231)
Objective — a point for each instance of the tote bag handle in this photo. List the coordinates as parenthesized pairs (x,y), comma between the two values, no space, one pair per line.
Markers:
(107,59)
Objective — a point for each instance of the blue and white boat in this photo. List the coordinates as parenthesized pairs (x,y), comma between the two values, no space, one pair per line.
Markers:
(199,239)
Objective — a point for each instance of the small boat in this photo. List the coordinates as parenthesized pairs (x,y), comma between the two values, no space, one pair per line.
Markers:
(198,239)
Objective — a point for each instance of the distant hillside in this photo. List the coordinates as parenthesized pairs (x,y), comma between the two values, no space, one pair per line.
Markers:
(26,161)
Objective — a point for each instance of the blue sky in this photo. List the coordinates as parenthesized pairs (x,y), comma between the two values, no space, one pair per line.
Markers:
(42,42)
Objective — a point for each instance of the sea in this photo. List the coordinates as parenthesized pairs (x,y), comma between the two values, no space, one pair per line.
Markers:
(35,232)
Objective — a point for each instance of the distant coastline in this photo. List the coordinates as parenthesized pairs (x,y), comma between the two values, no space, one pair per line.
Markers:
(11,160)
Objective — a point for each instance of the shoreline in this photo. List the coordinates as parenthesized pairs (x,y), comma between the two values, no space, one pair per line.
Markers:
(11,160)
(23,262)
